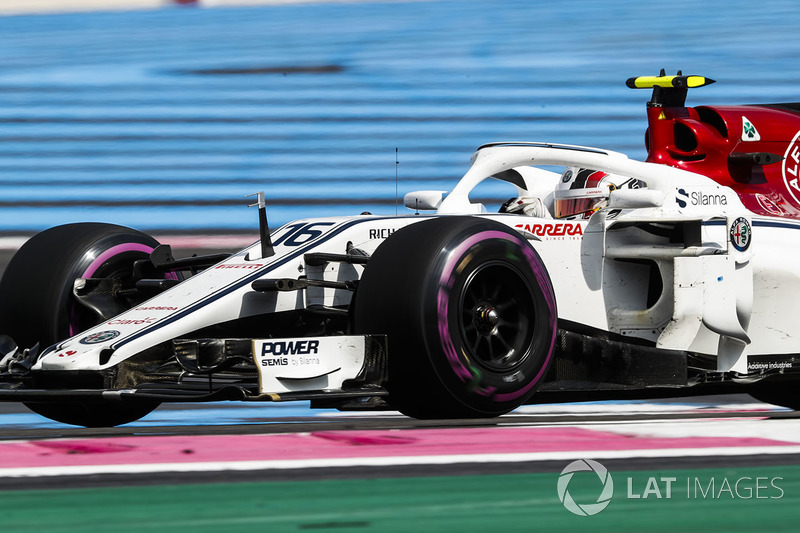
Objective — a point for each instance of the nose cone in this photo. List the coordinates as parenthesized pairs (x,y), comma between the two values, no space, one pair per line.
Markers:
(72,356)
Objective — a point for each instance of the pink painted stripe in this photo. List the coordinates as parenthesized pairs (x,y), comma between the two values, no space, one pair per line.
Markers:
(341,444)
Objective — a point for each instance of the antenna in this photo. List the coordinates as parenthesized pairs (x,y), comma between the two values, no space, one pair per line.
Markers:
(266,242)
(396,164)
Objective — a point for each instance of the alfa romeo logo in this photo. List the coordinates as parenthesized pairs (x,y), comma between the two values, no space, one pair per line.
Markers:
(740,234)
(103,336)
(591,508)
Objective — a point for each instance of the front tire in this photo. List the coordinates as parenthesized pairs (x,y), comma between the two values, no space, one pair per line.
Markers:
(37,304)
(96,414)
(470,315)
(781,394)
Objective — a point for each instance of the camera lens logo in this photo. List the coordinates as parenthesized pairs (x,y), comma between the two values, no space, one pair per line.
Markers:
(585,509)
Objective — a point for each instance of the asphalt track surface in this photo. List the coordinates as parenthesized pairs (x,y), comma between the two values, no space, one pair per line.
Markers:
(284,467)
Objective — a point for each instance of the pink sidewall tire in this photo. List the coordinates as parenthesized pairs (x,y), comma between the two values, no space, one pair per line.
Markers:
(470,313)
(37,304)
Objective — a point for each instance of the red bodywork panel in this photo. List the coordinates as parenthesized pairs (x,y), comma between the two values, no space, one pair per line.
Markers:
(722,142)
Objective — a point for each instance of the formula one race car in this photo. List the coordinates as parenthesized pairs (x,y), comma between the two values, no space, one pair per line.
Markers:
(606,277)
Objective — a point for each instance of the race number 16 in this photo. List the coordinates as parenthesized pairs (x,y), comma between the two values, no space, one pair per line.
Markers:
(297,234)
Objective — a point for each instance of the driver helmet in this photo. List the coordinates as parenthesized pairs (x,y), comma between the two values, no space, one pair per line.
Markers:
(582,191)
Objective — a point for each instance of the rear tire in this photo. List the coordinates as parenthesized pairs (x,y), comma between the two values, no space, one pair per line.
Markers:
(37,304)
(470,315)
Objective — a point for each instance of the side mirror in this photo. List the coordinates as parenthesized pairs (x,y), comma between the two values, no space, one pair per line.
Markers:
(635,198)
(424,200)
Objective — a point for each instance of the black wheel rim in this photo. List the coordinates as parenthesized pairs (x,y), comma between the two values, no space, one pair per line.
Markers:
(497,314)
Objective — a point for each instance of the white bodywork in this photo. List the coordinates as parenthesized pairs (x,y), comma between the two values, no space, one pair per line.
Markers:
(715,299)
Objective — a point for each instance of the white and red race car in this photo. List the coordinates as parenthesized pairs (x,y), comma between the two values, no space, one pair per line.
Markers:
(601,277)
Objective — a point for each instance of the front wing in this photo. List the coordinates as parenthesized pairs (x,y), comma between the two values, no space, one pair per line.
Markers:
(276,369)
